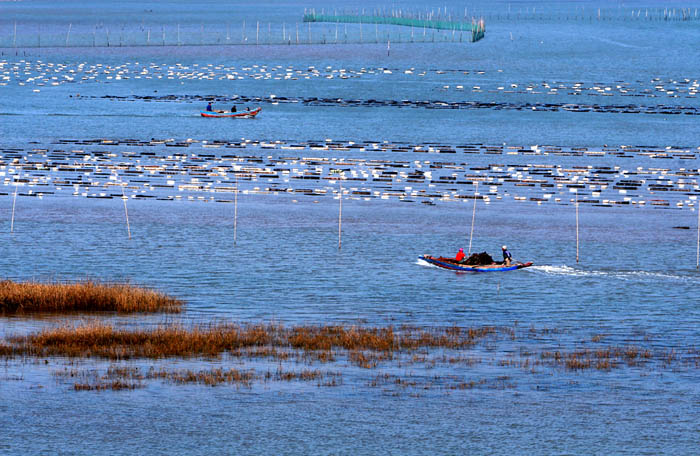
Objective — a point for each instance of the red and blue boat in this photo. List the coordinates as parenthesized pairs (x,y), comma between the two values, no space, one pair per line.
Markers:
(237,114)
(454,265)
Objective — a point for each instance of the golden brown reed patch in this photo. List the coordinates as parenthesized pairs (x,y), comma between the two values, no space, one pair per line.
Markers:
(601,358)
(86,296)
(210,377)
(97,340)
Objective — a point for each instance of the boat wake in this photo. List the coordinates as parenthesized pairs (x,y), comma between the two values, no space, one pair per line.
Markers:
(421,262)
(620,275)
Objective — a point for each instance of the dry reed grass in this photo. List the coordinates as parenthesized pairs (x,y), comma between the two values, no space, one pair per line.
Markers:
(127,378)
(212,377)
(362,359)
(601,359)
(6,351)
(364,347)
(114,385)
(97,340)
(87,296)
(116,379)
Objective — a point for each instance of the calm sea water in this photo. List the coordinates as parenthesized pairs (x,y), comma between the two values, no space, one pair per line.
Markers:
(636,282)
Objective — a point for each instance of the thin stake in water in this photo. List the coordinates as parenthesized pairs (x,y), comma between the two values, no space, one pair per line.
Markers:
(697,261)
(235,211)
(471,233)
(126,212)
(576,196)
(14,201)
(340,213)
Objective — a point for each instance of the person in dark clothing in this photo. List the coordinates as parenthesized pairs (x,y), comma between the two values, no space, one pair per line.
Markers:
(209,108)
(233,109)
(507,257)
(460,256)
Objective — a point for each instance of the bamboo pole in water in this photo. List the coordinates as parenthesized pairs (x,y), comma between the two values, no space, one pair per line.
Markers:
(576,195)
(14,201)
(126,212)
(697,255)
(340,213)
(471,233)
(235,211)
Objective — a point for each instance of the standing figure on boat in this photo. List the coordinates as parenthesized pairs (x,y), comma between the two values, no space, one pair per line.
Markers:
(233,109)
(209,108)
(507,257)
(460,256)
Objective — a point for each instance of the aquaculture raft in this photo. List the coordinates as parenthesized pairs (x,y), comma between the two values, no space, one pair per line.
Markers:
(242,114)
(452,264)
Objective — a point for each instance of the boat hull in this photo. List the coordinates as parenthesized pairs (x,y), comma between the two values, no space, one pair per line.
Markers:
(242,114)
(448,263)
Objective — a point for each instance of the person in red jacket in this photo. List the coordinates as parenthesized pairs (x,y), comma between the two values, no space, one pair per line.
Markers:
(460,256)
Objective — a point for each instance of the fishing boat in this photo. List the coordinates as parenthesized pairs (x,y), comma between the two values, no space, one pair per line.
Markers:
(454,265)
(241,114)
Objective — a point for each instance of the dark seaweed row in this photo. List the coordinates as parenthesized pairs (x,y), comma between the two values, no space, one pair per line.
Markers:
(426,104)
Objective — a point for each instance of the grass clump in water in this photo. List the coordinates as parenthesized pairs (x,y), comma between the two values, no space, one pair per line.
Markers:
(368,346)
(86,296)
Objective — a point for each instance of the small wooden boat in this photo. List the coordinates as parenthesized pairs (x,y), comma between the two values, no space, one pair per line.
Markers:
(452,264)
(239,114)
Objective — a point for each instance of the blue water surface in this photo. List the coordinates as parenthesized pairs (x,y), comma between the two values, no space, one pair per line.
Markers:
(635,281)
